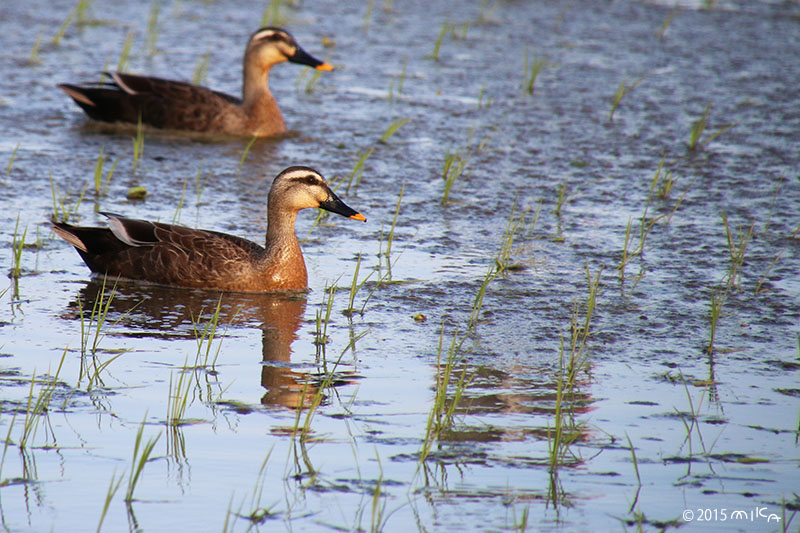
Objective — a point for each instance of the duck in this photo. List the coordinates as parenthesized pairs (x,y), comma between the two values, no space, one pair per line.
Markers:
(179,256)
(176,105)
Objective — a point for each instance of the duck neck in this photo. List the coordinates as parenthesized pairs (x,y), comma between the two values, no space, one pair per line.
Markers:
(257,100)
(284,258)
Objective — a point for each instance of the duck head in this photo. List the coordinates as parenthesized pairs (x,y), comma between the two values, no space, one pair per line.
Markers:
(300,187)
(269,46)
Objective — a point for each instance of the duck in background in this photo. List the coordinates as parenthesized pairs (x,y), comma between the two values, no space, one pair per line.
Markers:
(178,105)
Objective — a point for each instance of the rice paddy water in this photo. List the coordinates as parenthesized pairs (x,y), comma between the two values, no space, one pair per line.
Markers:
(583,317)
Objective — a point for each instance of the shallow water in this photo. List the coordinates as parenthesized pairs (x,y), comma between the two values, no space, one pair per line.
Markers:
(710,431)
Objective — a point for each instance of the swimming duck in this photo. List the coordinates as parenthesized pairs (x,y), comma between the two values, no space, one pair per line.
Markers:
(179,256)
(181,106)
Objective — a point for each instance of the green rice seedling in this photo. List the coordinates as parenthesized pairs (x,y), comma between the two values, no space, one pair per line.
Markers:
(352,346)
(354,286)
(272,14)
(402,78)
(246,151)
(446,27)
(138,143)
(626,258)
(699,126)
(138,460)
(33,58)
(390,239)
(96,322)
(176,217)
(178,397)
(460,33)
(113,487)
(81,11)
(764,277)
(358,169)
(201,69)
(622,91)
(61,210)
(486,11)
(313,79)
(772,203)
(259,513)
(228,525)
(6,442)
(665,25)
(562,196)
(36,410)
(737,246)
(97,318)
(665,184)
(559,438)
(17,244)
(206,337)
(63,28)
(441,415)
(152,26)
(368,14)
(453,168)
(521,525)
(199,184)
(122,63)
(392,129)
(478,302)
(100,186)
(379,516)
(532,71)
(11,161)
(97,367)
(502,260)
(635,469)
(715,311)
(693,425)
(101,75)
(321,333)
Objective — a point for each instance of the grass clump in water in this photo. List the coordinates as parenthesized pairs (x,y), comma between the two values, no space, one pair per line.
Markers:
(100,185)
(453,168)
(531,71)
(122,63)
(698,128)
(139,460)
(17,244)
(446,27)
(622,91)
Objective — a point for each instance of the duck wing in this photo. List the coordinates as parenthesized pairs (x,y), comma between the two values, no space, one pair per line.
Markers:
(160,102)
(162,253)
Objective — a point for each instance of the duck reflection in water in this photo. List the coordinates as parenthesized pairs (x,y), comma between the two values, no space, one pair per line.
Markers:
(169,313)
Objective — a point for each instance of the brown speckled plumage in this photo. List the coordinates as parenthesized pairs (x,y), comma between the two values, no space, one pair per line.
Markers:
(178,105)
(179,256)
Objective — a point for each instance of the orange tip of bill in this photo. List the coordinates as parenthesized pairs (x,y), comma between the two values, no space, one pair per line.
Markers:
(359,216)
(324,66)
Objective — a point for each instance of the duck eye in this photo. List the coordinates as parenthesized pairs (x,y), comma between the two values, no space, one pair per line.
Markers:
(310,180)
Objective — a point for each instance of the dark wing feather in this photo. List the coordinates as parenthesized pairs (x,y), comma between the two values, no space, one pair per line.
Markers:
(164,253)
(160,103)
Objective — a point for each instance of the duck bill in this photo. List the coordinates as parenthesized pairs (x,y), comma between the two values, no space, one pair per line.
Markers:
(335,205)
(303,58)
